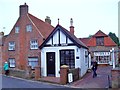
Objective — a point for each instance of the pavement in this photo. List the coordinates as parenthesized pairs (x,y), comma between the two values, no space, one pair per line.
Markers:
(101,81)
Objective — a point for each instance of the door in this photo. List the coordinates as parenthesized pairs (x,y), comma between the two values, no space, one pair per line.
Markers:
(50,63)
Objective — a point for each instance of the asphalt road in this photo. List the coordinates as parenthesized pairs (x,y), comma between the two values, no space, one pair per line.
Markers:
(11,82)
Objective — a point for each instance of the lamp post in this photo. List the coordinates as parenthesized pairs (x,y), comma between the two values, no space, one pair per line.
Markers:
(113,58)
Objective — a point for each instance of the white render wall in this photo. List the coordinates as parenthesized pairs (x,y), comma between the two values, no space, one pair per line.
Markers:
(84,61)
(79,52)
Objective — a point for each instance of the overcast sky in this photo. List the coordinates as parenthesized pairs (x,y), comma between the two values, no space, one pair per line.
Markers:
(89,16)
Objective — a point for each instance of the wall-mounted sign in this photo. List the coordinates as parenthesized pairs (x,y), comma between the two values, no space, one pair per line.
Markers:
(101,53)
(77,57)
(70,77)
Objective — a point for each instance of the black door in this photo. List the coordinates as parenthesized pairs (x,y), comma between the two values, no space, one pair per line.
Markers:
(50,63)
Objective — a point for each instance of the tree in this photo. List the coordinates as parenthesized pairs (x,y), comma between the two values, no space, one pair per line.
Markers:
(114,38)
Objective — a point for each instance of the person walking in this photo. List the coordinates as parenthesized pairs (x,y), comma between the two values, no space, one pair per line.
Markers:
(6,68)
(94,68)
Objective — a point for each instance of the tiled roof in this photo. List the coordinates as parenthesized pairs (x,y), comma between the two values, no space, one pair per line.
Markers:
(68,34)
(92,41)
(85,40)
(79,42)
(44,28)
(99,34)
(109,42)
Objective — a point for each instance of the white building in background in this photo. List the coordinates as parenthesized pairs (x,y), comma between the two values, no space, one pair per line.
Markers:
(63,48)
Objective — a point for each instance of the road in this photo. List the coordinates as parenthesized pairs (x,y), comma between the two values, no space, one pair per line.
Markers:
(11,82)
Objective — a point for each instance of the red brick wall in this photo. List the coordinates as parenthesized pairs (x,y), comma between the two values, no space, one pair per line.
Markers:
(22,44)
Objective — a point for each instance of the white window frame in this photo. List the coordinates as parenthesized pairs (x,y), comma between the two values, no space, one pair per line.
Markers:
(12,63)
(34,44)
(29,28)
(33,61)
(11,45)
(17,29)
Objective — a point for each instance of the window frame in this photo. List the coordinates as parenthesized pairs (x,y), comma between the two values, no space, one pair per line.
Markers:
(28,28)
(11,47)
(34,46)
(17,29)
(13,63)
(32,60)
(99,41)
(67,57)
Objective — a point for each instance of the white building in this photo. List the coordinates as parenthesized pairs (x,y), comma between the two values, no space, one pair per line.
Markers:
(63,48)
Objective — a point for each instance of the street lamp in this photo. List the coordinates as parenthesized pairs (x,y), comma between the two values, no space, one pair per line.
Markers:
(113,58)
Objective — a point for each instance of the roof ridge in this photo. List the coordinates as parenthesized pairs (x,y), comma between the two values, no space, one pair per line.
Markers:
(97,33)
(35,25)
(73,36)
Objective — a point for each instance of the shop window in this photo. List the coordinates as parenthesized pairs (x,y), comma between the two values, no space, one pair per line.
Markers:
(67,58)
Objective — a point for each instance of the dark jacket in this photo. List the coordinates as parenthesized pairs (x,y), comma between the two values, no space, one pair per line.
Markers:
(94,67)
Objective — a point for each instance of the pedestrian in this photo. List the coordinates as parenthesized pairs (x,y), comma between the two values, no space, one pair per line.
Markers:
(94,68)
(6,68)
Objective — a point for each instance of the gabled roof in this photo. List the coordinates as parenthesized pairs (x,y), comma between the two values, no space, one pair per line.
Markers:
(72,37)
(85,40)
(92,41)
(99,34)
(43,28)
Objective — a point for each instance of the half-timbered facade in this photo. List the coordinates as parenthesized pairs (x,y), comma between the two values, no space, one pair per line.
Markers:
(63,48)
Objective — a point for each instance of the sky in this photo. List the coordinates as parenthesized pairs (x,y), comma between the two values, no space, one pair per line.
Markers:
(89,16)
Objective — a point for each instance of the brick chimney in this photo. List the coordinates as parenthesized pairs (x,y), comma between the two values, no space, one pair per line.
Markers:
(47,19)
(71,27)
(23,9)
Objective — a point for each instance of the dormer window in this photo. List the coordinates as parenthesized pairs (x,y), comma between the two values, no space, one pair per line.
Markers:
(29,28)
(99,41)
(17,29)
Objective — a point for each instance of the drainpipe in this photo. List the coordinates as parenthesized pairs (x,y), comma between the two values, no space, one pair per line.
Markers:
(113,58)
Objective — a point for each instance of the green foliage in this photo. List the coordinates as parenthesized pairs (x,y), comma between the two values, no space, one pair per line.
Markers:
(114,38)
(90,36)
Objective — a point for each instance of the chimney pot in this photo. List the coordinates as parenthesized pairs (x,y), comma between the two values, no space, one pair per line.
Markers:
(48,20)
(71,27)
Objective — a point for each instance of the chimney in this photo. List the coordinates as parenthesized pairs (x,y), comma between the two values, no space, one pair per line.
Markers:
(1,38)
(23,9)
(47,19)
(71,27)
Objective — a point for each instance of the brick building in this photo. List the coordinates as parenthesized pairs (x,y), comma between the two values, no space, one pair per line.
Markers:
(21,44)
(100,45)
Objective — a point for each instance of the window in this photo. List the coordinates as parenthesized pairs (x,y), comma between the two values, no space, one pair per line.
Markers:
(17,29)
(33,62)
(11,45)
(100,41)
(11,62)
(33,44)
(67,58)
(29,28)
